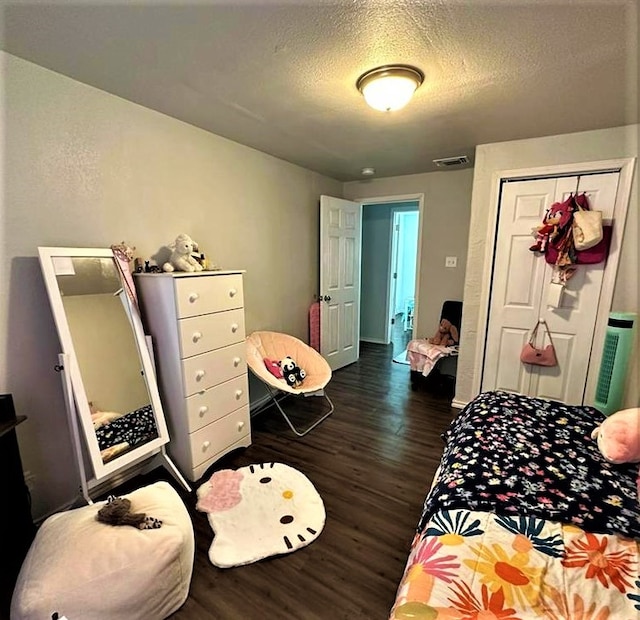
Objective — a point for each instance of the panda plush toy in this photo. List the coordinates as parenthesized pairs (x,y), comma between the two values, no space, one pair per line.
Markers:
(292,373)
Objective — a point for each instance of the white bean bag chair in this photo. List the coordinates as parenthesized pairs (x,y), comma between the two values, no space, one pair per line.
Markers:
(275,346)
(87,570)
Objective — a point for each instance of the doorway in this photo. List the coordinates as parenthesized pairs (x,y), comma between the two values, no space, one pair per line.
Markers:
(389,266)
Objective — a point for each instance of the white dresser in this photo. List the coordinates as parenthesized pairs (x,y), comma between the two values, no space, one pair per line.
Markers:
(196,321)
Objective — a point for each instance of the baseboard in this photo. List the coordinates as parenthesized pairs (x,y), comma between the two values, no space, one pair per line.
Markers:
(458,404)
(373,340)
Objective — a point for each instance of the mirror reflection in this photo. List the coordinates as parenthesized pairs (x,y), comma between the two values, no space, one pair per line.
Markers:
(107,353)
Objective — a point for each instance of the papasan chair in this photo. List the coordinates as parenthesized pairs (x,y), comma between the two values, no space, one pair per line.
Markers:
(263,345)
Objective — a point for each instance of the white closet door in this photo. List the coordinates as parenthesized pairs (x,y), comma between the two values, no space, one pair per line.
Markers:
(572,324)
(517,284)
(520,290)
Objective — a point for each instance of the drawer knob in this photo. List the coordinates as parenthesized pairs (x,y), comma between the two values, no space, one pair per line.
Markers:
(200,374)
(205,445)
(239,393)
(197,336)
(236,361)
(203,410)
(234,328)
(240,425)
(193,297)
(233,292)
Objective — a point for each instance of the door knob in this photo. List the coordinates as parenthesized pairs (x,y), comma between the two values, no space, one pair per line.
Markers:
(327,297)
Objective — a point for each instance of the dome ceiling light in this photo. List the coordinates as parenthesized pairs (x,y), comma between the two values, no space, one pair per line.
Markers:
(389,87)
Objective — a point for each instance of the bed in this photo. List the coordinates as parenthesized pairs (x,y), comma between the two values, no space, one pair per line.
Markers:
(525,519)
(117,433)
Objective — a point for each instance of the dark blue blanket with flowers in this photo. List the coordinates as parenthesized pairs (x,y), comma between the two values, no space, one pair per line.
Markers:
(512,454)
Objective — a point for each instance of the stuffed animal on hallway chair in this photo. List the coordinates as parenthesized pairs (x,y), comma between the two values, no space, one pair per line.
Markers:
(447,334)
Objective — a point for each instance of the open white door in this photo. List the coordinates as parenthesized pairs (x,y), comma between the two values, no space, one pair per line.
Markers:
(340,241)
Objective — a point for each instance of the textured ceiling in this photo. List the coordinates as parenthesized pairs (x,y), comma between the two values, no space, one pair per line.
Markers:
(280,76)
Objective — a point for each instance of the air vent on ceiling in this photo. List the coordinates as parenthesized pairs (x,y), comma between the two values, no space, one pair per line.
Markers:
(448,162)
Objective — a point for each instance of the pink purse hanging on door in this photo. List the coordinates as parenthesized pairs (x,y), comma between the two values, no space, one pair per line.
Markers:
(531,354)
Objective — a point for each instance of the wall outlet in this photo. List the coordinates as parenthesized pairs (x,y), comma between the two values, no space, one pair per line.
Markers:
(451,261)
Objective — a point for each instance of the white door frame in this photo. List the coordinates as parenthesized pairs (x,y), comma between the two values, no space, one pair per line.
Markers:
(392,293)
(626,168)
(419,198)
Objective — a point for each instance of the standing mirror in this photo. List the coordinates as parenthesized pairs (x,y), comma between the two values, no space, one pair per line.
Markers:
(110,387)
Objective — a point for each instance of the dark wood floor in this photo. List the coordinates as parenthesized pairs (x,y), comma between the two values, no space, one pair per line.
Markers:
(372,462)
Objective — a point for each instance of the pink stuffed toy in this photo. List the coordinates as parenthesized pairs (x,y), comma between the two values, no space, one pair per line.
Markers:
(619,436)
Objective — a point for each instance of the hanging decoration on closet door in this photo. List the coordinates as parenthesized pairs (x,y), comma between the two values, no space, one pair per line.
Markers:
(571,234)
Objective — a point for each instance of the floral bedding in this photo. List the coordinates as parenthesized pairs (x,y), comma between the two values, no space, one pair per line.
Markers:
(525,520)
(517,455)
(126,431)
(468,565)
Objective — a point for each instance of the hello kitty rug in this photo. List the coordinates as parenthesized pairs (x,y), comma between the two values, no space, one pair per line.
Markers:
(259,511)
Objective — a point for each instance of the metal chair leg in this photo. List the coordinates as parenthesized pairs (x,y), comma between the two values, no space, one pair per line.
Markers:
(301,433)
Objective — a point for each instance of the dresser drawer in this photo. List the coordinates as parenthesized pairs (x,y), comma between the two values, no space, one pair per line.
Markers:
(216,402)
(207,294)
(200,334)
(209,369)
(219,434)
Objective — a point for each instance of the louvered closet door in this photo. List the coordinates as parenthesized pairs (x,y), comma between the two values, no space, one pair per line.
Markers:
(520,290)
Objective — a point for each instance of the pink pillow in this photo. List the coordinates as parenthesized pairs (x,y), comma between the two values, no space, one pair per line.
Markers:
(273,367)
(619,437)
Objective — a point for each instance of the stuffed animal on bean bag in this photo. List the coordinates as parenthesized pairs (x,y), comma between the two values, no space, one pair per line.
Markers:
(117,511)
(447,334)
(619,436)
(292,373)
(181,258)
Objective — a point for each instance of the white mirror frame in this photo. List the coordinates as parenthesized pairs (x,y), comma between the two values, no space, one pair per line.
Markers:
(101,470)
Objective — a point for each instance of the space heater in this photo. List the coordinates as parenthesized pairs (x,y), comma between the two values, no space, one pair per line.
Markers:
(618,343)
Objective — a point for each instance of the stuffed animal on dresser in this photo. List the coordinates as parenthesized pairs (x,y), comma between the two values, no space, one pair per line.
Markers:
(292,373)
(447,334)
(181,258)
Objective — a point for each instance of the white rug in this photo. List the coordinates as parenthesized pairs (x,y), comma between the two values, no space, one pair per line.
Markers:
(401,358)
(259,511)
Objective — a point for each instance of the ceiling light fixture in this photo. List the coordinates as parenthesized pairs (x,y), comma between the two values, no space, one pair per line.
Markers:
(367,172)
(389,87)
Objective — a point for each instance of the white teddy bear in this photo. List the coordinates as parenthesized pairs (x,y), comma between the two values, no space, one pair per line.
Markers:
(181,259)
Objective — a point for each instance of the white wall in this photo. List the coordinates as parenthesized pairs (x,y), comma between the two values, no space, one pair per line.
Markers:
(84,168)
(619,142)
(445,227)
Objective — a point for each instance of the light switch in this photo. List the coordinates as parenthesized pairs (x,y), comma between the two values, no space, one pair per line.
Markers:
(451,261)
